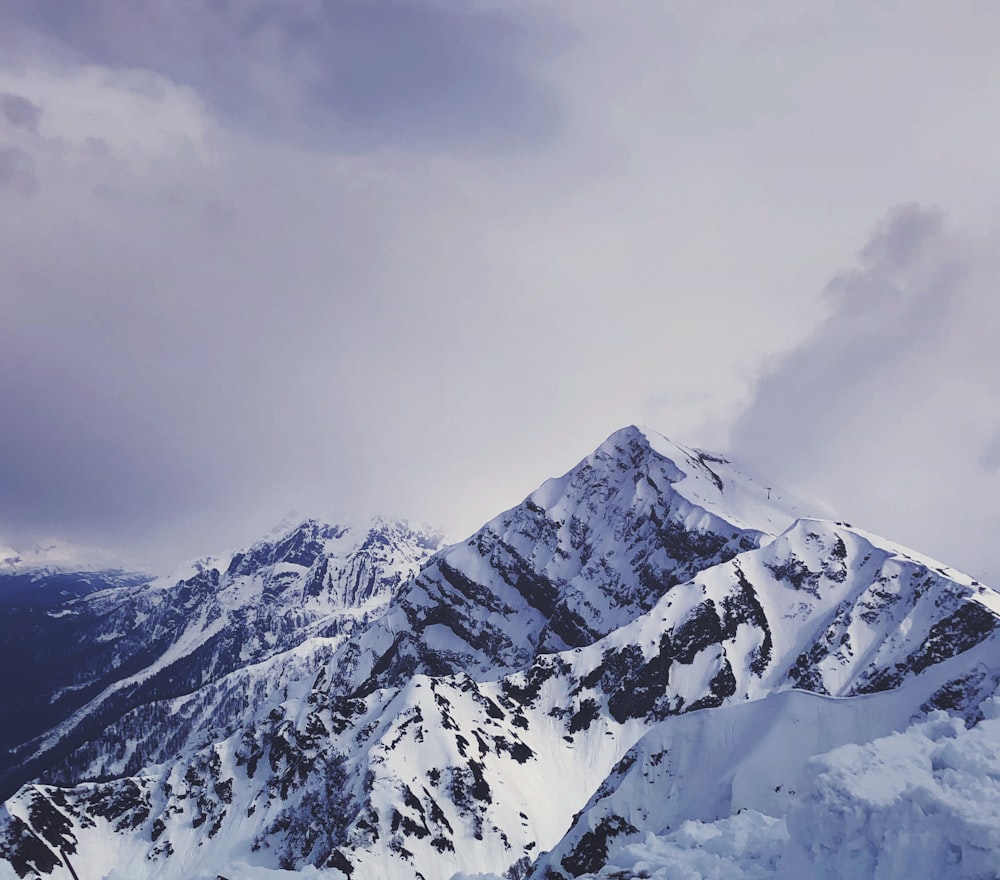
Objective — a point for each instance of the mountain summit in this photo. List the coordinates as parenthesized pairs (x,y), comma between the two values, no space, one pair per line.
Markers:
(653,663)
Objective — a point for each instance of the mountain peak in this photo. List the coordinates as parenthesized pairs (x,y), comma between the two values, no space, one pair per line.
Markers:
(657,636)
(53,556)
(311,540)
(714,485)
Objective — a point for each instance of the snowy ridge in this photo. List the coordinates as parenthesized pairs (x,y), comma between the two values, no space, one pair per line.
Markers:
(578,558)
(745,756)
(643,657)
(726,489)
(136,645)
(913,799)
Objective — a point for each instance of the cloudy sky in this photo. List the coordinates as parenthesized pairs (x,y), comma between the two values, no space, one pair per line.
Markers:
(267,257)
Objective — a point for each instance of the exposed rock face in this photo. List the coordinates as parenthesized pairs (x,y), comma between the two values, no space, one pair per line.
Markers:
(101,667)
(370,704)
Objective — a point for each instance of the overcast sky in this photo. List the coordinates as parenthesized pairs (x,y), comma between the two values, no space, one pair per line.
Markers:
(264,258)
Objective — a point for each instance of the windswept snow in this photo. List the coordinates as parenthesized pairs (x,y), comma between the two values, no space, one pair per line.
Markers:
(920,804)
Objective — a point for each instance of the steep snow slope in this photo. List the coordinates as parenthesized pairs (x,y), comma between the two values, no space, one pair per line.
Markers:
(923,803)
(746,756)
(451,774)
(654,597)
(579,557)
(111,658)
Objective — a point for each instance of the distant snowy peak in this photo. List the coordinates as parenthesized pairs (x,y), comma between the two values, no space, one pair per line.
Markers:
(345,565)
(53,572)
(54,557)
(315,581)
(318,556)
(302,543)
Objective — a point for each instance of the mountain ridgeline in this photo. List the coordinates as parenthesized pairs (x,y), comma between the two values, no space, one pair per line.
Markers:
(654,639)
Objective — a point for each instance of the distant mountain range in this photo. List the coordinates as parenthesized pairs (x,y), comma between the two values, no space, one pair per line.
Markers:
(654,666)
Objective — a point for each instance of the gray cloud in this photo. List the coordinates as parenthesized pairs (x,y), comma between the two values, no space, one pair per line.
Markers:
(882,313)
(989,458)
(885,410)
(410,258)
(19,111)
(17,171)
(348,74)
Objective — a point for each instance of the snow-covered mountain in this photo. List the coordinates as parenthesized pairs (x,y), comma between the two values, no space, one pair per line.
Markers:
(53,572)
(42,558)
(645,656)
(109,659)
